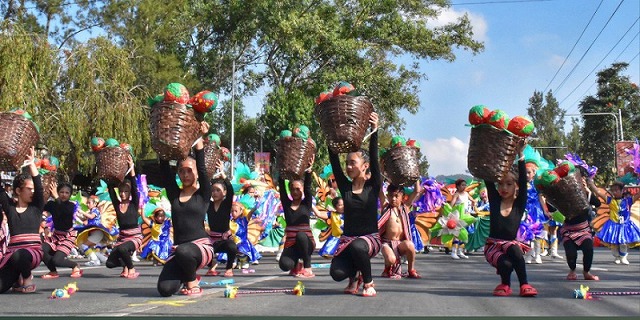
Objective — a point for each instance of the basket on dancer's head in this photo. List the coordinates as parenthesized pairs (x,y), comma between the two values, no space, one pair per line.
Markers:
(343,118)
(47,181)
(111,159)
(48,169)
(294,151)
(212,153)
(495,142)
(563,188)
(175,120)
(19,135)
(400,164)
(174,129)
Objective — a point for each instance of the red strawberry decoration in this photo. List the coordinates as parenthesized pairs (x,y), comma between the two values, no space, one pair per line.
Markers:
(176,92)
(343,88)
(478,114)
(323,97)
(521,126)
(498,119)
(204,101)
(411,143)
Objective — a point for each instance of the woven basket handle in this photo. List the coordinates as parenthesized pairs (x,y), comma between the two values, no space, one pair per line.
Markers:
(369,135)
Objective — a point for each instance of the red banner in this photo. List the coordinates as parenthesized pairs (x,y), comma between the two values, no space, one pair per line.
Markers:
(263,162)
(622,158)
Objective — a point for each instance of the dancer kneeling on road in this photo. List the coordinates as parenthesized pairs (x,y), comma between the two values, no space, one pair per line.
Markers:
(299,242)
(188,209)
(360,240)
(503,251)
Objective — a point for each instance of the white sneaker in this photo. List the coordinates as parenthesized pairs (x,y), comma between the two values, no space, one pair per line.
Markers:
(255,263)
(544,253)
(101,257)
(134,257)
(528,259)
(624,260)
(92,263)
(556,255)
(617,261)
(245,265)
(454,256)
(462,255)
(538,259)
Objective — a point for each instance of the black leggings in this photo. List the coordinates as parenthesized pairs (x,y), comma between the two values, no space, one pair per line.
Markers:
(513,260)
(355,257)
(18,264)
(229,247)
(302,249)
(571,250)
(121,256)
(53,258)
(180,269)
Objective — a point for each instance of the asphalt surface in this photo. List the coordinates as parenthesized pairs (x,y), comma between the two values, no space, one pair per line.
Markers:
(448,288)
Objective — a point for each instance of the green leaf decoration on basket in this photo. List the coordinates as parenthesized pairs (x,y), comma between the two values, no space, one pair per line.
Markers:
(398,141)
(151,101)
(557,217)
(320,224)
(381,152)
(111,143)
(301,132)
(54,161)
(214,138)
(547,178)
(285,134)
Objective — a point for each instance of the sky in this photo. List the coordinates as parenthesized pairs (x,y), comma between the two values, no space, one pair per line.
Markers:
(528,47)
(526,43)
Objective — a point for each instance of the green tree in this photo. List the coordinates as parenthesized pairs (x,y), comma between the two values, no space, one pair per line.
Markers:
(97,97)
(573,137)
(615,91)
(548,118)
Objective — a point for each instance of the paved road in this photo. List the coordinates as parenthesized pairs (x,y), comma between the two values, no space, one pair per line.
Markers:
(460,288)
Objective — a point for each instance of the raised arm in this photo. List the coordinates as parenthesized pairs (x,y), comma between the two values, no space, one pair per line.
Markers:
(374,164)
(308,193)
(594,189)
(284,196)
(417,192)
(113,196)
(203,179)
(521,199)
(38,190)
(144,218)
(338,174)
(169,180)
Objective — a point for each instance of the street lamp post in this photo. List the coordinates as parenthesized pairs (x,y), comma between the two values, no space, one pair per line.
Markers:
(233,107)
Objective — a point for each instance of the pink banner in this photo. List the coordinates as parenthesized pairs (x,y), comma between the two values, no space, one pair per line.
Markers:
(622,158)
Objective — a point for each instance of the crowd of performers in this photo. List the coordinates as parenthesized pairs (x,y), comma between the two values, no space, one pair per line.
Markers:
(195,223)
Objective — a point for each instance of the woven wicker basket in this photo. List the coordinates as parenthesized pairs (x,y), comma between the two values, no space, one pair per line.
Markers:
(492,152)
(112,164)
(400,165)
(212,154)
(568,195)
(344,121)
(47,181)
(19,135)
(174,128)
(293,156)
